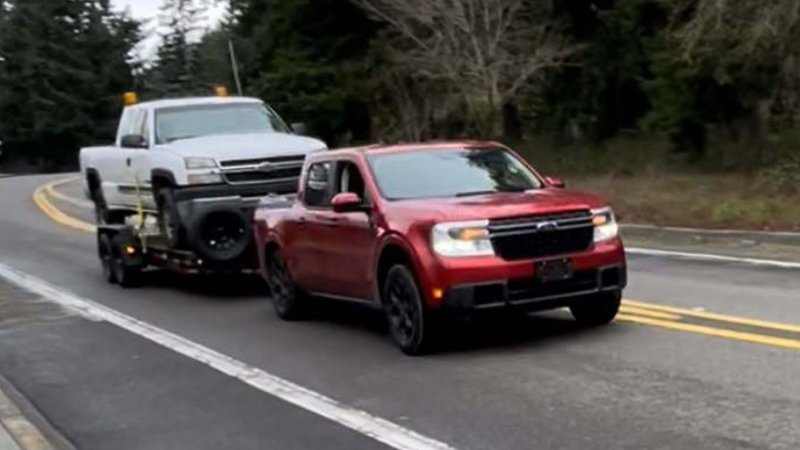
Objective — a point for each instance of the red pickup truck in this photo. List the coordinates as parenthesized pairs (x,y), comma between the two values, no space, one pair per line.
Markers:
(425,229)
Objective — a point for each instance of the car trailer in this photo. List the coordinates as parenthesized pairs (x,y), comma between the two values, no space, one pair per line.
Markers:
(125,254)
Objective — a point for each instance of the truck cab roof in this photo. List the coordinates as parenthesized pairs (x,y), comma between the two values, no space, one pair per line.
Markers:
(193,101)
(400,148)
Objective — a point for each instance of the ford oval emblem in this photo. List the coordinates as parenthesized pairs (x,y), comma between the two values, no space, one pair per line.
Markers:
(546,226)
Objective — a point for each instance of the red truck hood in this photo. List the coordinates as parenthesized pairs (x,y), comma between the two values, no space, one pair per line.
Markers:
(502,205)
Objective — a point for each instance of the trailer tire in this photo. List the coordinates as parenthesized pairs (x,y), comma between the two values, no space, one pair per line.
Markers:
(127,274)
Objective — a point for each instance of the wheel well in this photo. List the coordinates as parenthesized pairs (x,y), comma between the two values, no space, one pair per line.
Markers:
(160,181)
(391,255)
(92,181)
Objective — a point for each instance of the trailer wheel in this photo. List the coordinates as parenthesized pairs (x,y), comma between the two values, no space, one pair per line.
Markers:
(105,251)
(127,274)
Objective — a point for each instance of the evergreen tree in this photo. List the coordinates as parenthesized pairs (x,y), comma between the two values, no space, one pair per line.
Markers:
(63,71)
(176,70)
(309,59)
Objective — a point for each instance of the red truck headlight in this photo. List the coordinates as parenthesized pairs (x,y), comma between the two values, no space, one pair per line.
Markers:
(605,224)
(460,239)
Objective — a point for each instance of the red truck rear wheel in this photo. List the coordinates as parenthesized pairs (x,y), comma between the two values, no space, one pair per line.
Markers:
(287,297)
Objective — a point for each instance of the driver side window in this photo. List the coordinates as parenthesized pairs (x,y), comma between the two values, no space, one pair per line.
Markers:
(349,179)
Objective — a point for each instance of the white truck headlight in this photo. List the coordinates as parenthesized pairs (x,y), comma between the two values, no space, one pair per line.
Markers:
(605,224)
(202,171)
(200,163)
(456,239)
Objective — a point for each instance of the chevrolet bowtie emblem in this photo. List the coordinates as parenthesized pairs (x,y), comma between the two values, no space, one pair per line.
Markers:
(265,167)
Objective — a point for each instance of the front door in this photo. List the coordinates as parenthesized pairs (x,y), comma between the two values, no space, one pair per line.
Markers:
(350,240)
(309,261)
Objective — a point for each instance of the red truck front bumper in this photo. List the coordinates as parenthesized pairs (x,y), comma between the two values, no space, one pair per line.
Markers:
(492,283)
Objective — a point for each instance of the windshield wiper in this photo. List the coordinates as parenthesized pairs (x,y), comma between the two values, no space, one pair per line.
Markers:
(180,138)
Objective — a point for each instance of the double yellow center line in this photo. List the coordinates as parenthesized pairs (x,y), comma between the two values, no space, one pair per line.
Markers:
(735,328)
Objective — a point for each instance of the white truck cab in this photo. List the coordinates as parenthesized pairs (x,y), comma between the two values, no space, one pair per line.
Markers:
(178,158)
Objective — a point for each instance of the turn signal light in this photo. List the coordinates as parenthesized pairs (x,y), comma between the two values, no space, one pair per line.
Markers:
(130,250)
(600,220)
(437,294)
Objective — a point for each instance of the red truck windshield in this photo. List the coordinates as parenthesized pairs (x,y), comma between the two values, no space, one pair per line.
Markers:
(450,173)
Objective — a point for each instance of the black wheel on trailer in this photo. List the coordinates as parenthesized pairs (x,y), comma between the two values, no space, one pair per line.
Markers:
(105,251)
(128,274)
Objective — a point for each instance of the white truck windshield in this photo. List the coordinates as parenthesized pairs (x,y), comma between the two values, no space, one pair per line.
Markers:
(188,122)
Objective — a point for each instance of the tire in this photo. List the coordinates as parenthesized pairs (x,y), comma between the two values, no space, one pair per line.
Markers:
(169,221)
(101,214)
(105,251)
(288,298)
(410,323)
(221,234)
(598,309)
(126,274)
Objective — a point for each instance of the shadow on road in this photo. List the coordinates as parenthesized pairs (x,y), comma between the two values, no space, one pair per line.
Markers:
(455,335)
(221,287)
(460,335)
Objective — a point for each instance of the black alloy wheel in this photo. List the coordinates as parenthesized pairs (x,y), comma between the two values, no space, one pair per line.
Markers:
(224,234)
(409,323)
(287,298)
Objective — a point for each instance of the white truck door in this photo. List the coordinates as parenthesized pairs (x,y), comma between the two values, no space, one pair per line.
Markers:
(138,162)
(124,174)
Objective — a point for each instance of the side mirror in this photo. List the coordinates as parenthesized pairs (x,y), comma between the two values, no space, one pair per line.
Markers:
(347,202)
(133,141)
(555,182)
(300,128)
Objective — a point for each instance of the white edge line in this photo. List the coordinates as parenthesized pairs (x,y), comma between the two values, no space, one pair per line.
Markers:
(711,257)
(367,424)
(757,233)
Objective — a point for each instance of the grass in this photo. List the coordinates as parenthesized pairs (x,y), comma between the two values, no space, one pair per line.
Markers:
(647,184)
(694,200)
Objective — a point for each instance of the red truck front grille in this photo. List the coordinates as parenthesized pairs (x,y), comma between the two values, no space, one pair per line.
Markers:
(542,236)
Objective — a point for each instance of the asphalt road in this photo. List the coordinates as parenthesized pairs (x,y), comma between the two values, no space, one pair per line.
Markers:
(668,377)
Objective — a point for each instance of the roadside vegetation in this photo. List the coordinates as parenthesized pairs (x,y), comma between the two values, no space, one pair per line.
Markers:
(684,112)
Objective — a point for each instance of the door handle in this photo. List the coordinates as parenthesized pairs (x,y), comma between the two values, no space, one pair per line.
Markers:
(128,162)
(330,222)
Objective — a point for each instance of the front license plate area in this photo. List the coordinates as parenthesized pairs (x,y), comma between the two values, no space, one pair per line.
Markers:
(553,270)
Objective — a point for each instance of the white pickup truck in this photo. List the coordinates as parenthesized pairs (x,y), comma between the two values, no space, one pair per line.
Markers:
(199,165)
